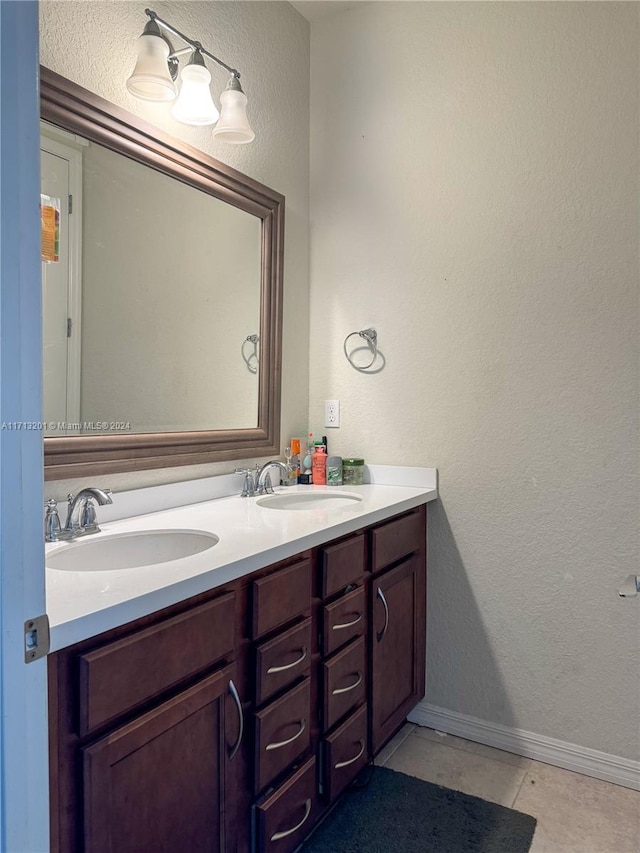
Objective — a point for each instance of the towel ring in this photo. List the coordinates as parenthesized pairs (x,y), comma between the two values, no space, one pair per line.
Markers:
(371,337)
(252,361)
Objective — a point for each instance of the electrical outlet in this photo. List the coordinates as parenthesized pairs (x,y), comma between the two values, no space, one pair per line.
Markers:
(332,413)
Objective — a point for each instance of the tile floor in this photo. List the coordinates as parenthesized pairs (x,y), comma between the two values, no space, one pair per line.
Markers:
(575,813)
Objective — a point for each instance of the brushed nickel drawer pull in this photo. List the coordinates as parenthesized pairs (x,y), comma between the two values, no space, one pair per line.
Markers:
(347,624)
(270,746)
(380,634)
(353,686)
(342,764)
(307,812)
(273,669)
(236,699)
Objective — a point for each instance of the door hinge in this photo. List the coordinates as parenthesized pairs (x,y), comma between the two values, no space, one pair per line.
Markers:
(69,326)
(70,203)
(36,638)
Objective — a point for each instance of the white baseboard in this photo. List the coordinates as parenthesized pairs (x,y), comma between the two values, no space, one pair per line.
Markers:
(570,756)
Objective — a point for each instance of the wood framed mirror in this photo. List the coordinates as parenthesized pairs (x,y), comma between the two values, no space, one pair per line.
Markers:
(113,355)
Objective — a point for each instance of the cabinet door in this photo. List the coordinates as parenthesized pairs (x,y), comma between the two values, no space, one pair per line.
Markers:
(162,782)
(398,640)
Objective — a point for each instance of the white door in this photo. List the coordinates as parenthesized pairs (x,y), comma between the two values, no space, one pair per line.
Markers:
(24,821)
(60,179)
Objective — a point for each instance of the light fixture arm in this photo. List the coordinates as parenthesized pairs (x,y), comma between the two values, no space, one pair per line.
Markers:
(193,45)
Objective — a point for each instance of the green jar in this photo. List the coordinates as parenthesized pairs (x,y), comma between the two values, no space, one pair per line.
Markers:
(352,472)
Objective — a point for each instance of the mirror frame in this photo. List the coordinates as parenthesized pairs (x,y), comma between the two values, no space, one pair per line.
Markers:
(81,112)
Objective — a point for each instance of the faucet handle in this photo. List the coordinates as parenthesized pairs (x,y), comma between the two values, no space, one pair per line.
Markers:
(248,488)
(52,527)
(267,485)
(88,517)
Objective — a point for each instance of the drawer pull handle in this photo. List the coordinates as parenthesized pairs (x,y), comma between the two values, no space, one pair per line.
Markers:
(280,744)
(236,699)
(307,812)
(273,669)
(380,634)
(347,624)
(353,686)
(342,764)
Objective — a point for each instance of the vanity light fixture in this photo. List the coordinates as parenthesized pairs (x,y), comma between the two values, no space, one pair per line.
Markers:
(155,73)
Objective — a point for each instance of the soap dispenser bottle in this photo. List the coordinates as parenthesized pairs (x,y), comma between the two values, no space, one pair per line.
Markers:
(319,465)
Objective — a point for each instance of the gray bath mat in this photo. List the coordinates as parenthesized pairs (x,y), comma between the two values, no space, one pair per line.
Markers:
(396,813)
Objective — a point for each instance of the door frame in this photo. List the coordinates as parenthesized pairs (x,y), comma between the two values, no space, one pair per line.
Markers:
(67,146)
(24,790)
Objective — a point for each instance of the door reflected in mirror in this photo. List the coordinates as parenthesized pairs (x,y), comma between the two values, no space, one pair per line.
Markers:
(151,314)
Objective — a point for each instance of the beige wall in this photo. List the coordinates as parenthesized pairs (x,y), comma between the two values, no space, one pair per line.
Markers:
(93,44)
(475,198)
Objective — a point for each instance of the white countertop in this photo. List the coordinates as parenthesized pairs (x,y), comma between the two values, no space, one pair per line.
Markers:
(83,604)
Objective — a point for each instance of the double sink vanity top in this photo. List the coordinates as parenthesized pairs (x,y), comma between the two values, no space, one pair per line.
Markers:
(140,564)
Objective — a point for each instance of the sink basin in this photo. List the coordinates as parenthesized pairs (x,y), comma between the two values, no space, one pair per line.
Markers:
(309,500)
(129,550)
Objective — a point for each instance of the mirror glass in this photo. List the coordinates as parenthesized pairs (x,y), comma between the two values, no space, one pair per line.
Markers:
(152,308)
(162,295)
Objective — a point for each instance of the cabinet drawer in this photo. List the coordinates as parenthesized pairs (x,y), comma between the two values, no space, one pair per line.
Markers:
(345,753)
(283,733)
(396,539)
(344,682)
(343,620)
(285,817)
(342,564)
(281,660)
(281,597)
(124,674)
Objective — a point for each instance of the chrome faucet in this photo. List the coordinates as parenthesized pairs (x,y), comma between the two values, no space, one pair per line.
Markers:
(258,481)
(81,513)
(264,486)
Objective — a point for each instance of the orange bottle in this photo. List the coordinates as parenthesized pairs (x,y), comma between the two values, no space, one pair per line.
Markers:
(319,465)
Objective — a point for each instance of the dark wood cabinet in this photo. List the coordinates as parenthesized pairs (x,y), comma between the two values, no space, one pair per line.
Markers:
(163,782)
(231,722)
(398,648)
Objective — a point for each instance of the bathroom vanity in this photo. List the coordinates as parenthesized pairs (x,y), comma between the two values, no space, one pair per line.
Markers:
(232,720)
(221,668)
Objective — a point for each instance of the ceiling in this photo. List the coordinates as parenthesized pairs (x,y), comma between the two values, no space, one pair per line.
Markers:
(312,10)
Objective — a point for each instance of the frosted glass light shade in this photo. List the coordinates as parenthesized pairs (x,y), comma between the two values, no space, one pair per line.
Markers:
(195,104)
(151,79)
(233,125)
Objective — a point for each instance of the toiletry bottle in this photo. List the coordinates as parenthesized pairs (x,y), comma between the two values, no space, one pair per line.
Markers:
(319,463)
(306,453)
(291,477)
(353,472)
(334,471)
(296,458)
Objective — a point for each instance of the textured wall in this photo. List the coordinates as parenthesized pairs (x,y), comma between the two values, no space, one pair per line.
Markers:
(93,44)
(474,197)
